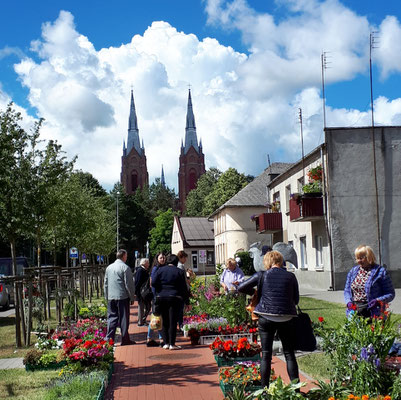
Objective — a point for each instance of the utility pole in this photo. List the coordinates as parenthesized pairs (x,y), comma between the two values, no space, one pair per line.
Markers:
(302,146)
(118,242)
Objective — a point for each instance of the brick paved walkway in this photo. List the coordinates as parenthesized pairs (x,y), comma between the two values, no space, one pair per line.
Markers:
(152,373)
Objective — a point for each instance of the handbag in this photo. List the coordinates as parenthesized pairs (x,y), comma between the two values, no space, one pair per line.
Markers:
(305,338)
(146,291)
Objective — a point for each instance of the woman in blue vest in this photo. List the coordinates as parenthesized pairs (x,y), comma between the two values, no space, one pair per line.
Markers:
(278,294)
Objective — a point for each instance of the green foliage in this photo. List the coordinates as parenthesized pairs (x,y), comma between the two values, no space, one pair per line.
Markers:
(161,197)
(93,311)
(246,262)
(195,204)
(37,308)
(239,393)
(160,235)
(312,187)
(48,358)
(324,390)
(89,182)
(228,184)
(396,388)
(278,390)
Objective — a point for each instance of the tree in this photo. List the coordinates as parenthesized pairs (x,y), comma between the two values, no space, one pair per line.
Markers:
(195,203)
(15,169)
(161,197)
(160,235)
(229,184)
(88,181)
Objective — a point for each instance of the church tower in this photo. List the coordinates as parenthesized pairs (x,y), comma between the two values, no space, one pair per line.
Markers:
(134,173)
(192,159)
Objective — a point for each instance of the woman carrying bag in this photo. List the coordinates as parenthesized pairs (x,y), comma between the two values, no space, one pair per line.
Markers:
(278,295)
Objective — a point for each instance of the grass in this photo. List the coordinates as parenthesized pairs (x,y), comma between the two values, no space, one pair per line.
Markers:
(17,384)
(316,365)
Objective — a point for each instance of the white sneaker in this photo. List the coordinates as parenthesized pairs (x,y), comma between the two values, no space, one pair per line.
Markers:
(166,346)
(174,347)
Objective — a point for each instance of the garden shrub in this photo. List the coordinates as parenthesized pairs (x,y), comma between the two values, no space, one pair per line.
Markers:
(246,262)
(76,387)
(48,358)
(32,357)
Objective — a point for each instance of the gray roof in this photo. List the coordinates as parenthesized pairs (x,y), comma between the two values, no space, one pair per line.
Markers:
(255,193)
(197,231)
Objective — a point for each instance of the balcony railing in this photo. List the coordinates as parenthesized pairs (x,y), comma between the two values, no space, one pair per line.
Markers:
(306,209)
(269,222)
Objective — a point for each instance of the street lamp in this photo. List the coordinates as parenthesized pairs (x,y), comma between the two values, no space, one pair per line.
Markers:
(118,245)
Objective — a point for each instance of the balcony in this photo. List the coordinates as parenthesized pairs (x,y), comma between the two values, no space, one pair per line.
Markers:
(306,209)
(269,222)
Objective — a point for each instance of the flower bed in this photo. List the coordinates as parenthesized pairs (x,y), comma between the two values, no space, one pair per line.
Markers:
(211,338)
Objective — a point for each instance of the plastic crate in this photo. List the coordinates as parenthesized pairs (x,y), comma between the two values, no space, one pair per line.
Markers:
(223,362)
(211,338)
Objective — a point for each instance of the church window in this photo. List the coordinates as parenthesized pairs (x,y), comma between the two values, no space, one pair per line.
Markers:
(192,179)
(134,181)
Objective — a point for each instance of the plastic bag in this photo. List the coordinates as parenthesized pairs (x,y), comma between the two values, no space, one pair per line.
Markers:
(155,322)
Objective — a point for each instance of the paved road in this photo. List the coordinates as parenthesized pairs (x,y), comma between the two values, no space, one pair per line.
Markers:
(7,313)
(338,297)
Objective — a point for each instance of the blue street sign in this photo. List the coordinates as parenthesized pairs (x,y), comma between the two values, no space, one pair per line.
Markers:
(100,259)
(73,252)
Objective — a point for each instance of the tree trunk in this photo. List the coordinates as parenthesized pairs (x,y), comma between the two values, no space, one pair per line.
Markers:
(21,303)
(29,327)
(16,297)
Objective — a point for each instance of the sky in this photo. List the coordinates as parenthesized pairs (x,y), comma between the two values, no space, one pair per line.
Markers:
(251,66)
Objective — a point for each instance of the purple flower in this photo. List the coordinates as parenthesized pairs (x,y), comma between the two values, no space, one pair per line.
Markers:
(364,354)
(377,363)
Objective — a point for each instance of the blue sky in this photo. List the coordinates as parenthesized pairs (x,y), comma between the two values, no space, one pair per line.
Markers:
(262,64)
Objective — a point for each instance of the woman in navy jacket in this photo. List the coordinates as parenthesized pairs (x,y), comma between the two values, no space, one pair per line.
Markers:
(368,284)
(278,294)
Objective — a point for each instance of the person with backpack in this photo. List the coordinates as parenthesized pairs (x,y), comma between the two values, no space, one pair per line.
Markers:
(142,291)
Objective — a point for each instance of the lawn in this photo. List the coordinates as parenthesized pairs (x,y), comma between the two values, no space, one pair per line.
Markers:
(17,384)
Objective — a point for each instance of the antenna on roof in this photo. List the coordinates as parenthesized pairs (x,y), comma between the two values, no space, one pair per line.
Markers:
(373,45)
(302,146)
(324,67)
(268,161)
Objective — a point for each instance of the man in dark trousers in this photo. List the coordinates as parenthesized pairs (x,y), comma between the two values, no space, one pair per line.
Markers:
(119,291)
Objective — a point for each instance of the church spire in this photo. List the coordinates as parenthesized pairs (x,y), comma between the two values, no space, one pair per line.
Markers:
(190,128)
(162,180)
(133,131)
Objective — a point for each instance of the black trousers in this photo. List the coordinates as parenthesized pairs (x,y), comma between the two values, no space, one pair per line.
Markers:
(169,309)
(118,316)
(286,332)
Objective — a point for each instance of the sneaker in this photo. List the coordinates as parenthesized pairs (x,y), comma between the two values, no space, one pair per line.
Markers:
(174,347)
(166,346)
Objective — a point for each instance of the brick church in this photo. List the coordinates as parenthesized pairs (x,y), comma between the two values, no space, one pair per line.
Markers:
(134,172)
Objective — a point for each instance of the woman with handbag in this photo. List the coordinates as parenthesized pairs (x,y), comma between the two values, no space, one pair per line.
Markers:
(278,295)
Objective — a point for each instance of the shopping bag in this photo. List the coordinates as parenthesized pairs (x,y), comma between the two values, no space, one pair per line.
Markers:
(305,338)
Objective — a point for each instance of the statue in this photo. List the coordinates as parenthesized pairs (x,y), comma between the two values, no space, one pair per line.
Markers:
(257,251)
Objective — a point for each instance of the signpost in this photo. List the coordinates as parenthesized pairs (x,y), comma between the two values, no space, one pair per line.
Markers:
(100,259)
(74,255)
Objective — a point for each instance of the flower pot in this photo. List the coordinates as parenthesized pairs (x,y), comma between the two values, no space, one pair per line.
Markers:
(227,388)
(194,341)
(312,194)
(222,362)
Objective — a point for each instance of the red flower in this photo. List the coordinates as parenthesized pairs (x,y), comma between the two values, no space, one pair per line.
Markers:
(321,319)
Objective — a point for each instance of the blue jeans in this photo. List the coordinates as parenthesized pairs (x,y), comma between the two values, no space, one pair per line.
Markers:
(286,332)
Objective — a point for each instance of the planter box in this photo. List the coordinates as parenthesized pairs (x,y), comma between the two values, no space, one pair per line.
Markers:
(102,391)
(222,362)
(30,367)
(211,338)
(226,389)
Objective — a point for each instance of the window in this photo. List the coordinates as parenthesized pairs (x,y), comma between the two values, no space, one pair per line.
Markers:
(210,257)
(287,197)
(304,260)
(300,184)
(134,181)
(195,259)
(319,251)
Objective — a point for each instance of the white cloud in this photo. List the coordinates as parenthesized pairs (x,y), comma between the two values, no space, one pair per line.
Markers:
(246,106)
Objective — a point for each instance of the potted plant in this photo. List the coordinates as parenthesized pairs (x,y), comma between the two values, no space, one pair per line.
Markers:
(227,352)
(194,336)
(314,187)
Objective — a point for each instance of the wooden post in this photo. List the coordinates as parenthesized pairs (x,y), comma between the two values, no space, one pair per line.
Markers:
(16,297)
(30,299)
(22,312)
(48,291)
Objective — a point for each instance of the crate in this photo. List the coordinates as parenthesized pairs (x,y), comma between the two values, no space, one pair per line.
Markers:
(224,362)
(211,338)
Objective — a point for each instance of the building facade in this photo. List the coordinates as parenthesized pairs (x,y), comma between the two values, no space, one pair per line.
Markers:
(192,159)
(134,172)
